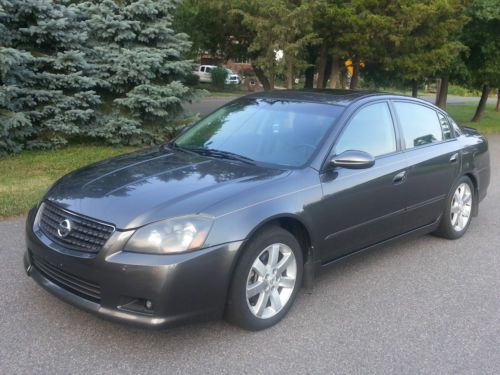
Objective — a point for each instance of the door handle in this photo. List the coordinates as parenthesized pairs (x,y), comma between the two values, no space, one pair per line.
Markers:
(454,158)
(399,178)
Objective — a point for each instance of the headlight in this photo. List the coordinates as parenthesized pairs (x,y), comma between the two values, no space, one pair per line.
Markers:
(171,236)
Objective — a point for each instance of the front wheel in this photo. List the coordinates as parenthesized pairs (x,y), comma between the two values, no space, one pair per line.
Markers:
(458,212)
(266,280)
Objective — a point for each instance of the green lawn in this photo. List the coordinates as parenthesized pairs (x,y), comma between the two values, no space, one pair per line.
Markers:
(490,121)
(25,177)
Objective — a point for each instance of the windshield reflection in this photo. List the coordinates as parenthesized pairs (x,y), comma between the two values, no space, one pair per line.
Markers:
(271,131)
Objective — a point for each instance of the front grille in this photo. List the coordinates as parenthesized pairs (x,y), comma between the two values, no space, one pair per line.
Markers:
(83,288)
(85,235)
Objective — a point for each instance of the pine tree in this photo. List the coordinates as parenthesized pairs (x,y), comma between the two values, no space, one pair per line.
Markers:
(140,57)
(46,92)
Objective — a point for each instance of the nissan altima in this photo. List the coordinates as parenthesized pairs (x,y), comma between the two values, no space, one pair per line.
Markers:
(244,207)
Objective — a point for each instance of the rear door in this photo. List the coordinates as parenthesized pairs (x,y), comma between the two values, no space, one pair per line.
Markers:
(362,207)
(433,156)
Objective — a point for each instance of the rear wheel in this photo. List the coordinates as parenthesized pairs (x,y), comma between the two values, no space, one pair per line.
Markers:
(266,280)
(458,213)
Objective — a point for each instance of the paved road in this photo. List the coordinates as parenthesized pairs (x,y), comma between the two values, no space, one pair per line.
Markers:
(211,103)
(424,305)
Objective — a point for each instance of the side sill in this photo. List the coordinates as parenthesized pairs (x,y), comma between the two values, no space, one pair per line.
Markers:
(413,233)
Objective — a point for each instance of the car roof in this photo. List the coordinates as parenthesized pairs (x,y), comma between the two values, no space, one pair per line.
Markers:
(327,96)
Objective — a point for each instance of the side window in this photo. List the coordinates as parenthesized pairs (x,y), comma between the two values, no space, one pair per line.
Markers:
(370,130)
(456,128)
(208,69)
(420,124)
(445,126)
(202,69)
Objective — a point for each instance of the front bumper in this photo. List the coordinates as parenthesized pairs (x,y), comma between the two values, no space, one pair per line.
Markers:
(181,287)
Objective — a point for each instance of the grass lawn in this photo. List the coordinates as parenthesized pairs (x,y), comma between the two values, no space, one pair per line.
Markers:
(26,177)
(490,121)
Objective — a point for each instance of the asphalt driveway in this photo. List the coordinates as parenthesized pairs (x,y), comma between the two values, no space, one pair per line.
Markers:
(424,305)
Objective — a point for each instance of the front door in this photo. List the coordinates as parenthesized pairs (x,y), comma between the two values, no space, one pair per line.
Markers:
(365,206)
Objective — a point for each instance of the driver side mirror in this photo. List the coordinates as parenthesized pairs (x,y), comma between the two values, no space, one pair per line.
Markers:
(353,159)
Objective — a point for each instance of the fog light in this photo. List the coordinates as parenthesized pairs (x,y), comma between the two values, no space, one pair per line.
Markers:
(149,304)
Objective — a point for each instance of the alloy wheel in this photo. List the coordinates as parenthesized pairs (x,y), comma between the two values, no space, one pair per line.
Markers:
(271,280)
(461,206)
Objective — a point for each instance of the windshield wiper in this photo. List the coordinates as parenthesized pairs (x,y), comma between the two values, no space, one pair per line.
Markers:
(221,154)
(174,146)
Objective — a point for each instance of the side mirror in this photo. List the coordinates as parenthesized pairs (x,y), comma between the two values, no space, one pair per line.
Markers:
(353,159)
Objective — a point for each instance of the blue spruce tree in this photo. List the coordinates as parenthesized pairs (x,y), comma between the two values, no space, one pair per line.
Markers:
(109,70)
(46,83)
(140,57)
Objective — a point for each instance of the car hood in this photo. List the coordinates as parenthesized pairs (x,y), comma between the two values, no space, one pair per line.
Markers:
(136,189)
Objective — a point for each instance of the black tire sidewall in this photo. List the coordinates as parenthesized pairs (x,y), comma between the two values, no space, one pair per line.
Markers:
(238,311)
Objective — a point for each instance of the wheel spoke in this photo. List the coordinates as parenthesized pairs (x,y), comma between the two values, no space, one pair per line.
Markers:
(274,252)
(259,267)
(261,304)
(454,219)
(284,262)
(287,282)
(255,288)
(461,222)
(461,191)
(455,209)
(275,300)
(467,199)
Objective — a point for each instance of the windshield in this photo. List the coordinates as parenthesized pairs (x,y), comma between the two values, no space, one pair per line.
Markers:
(269,131)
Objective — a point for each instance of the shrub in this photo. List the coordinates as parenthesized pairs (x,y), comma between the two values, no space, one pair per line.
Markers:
(219,76)
(192,80)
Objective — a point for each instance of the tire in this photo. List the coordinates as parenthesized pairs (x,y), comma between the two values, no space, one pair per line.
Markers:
(449,226)
(275,293)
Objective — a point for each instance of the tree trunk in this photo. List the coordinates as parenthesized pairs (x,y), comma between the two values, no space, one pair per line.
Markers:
(309,78)
(343,79)
(482,104)
(334,72)
(321,67)
(355,74)
(266,84)
(328,68)
(497,107)
(442,96)
(414,88)
(438,89)
(289,75)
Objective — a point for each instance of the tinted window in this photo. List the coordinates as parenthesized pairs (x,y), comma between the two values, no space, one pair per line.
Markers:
(370,130)
(445,126)
(202,69)
(420,124)
(456,128)
(270,131)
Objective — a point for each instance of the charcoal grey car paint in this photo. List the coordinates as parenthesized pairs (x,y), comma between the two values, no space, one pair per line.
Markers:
(335,211)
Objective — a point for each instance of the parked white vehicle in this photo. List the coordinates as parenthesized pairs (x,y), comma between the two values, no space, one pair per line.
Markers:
(205,74)
(232,78)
